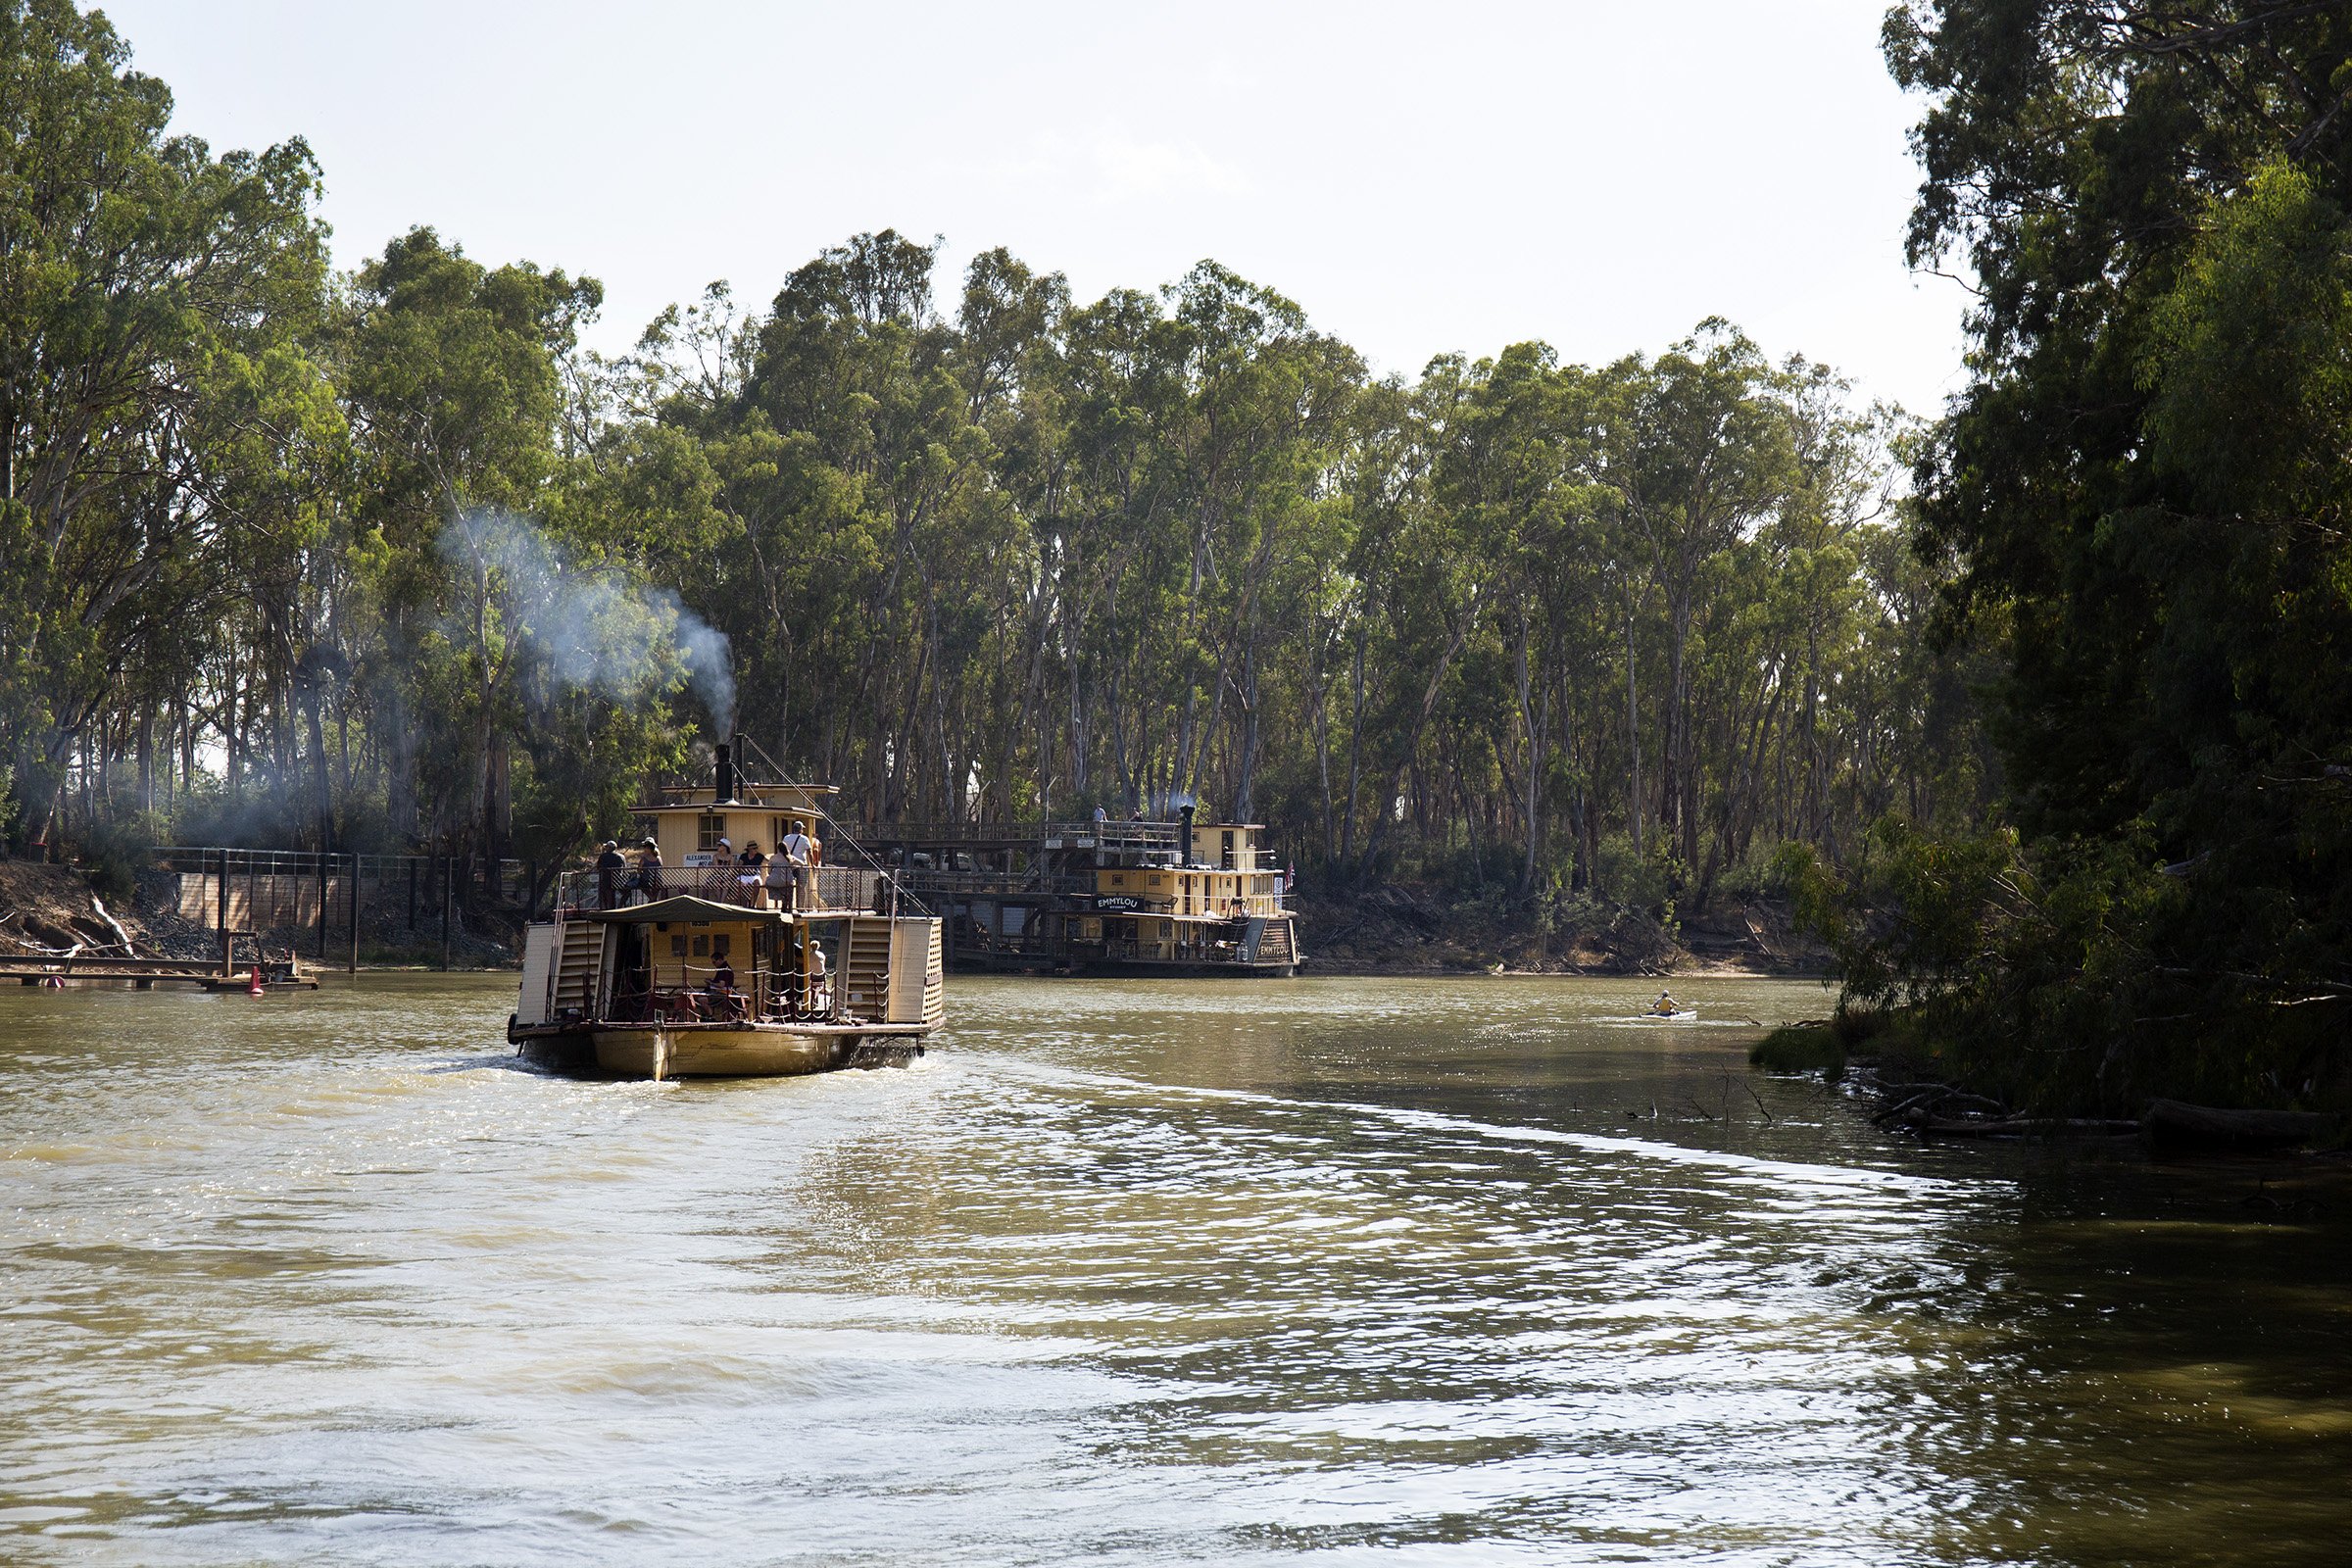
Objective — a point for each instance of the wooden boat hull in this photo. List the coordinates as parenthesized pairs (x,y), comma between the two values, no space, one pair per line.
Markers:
(716,1049)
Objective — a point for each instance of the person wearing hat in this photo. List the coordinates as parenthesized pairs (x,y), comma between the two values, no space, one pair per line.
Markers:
(751,875)
(721,876)
(649,880)
(610,863)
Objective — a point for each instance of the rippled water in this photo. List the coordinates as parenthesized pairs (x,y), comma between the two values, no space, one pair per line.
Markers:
(1370,1272)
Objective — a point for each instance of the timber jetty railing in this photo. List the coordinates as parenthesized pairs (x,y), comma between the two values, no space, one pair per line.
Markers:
(311,891)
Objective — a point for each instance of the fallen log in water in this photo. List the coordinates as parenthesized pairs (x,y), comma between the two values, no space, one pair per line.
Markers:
(2171,1124)
(2026,1127)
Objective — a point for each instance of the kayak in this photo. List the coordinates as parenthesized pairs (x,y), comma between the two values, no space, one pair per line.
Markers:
(1683,1015)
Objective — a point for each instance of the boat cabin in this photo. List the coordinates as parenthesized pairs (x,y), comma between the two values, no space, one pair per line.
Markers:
(690,819)
(1201,899)
(664,962)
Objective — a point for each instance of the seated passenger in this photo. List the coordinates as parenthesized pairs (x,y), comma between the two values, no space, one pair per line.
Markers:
(751,877)
(724,1001)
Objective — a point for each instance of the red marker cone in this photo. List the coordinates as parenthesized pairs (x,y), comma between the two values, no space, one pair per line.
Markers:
(255,988)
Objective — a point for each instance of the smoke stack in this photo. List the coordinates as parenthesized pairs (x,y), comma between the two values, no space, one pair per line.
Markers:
(1185,845)
(723,784)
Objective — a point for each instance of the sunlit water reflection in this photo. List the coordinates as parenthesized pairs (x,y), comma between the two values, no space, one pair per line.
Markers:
(1407,1271)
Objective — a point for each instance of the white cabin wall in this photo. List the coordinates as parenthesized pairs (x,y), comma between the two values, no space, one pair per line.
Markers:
(538,973)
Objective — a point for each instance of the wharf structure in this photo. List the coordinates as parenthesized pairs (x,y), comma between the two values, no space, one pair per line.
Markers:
(1168,898)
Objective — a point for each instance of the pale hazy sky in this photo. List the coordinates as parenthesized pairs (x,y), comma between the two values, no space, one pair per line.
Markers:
(1419,178)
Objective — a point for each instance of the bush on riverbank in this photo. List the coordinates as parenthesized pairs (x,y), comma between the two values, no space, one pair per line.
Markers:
(1800,1048)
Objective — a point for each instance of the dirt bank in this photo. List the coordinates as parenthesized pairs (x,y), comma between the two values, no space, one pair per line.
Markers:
(1401,929)
(50,909)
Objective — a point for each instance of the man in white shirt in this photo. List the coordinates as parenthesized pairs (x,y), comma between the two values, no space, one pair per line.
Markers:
(797,850)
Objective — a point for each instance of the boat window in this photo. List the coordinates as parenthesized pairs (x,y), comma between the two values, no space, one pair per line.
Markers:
(701,947)
(709,829)
(721,943)
(677,947)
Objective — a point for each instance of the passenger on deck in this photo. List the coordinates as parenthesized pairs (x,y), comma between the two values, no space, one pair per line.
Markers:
(722,873)
(723,1001)
(797,848)
(820,984)
(610,863)
(750,875)
(649,879)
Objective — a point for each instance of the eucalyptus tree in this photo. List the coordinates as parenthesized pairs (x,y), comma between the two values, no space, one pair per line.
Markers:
(1516,470)
(131,264)
(1699,456)
(449,369)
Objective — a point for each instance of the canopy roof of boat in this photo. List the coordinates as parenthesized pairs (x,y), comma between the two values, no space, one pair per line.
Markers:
(687,909)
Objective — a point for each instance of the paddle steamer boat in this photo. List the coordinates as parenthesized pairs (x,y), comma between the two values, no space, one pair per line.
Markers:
(841,968)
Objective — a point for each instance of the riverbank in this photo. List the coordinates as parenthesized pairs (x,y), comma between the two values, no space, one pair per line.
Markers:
(1395,929)
(1404,930)
(1920,1090)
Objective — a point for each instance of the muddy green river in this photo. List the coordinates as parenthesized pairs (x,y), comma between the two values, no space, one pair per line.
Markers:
(1479,1271)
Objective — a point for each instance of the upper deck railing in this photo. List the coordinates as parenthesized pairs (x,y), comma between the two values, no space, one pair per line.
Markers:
(1110,835)
(836,889)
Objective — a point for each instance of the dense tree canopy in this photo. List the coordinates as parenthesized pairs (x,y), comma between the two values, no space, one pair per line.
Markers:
(387,559)
(2141,499)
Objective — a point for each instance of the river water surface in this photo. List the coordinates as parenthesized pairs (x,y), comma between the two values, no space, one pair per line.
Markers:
(1379,1271)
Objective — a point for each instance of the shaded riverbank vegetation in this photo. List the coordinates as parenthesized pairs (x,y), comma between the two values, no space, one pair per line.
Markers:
(387,560)
(2142,498)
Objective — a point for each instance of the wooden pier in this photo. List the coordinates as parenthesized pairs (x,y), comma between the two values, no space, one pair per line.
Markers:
(145,974)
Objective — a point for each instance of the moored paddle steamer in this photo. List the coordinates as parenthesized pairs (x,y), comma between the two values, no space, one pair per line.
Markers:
(695,965)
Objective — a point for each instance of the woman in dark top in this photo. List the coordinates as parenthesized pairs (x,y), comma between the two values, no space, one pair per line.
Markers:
(608,867)
(724,1003)
(751,880)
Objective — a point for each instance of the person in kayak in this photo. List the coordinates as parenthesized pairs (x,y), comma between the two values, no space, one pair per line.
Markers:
(1665,1006)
